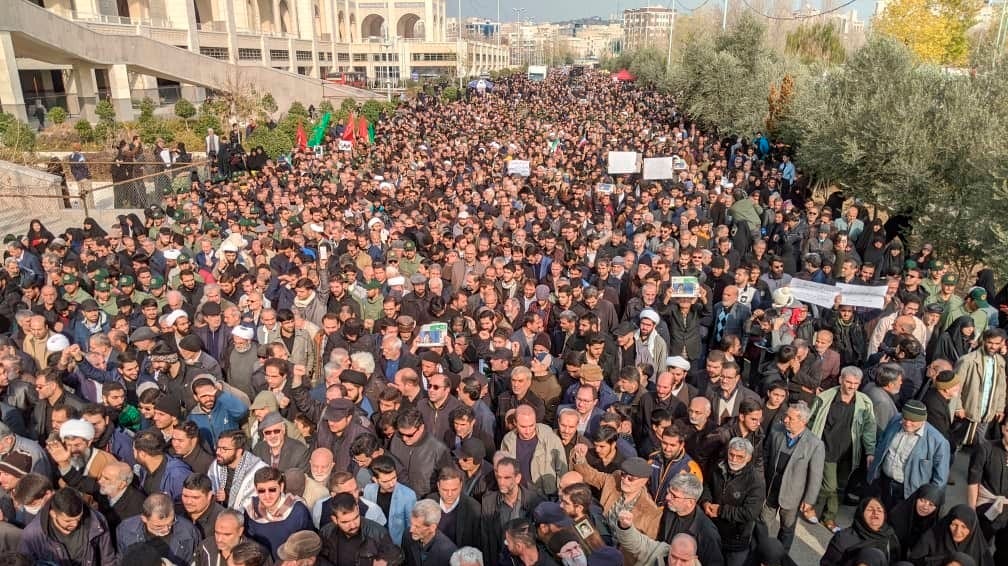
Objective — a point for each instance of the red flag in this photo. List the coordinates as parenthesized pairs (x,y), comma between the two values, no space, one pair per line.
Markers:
(362,129)
(301,139)
(348,131)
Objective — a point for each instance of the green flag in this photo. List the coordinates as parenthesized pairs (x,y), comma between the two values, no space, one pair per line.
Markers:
(318,134)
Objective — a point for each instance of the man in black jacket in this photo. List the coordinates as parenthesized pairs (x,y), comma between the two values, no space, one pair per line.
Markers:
(682,516)
(460,514)
(114,483)
(420,453)
(426,544)
(510,501)
(351,539)
(733,497)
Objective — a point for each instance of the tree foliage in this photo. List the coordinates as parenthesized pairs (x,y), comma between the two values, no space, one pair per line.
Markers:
(723,83)
(276,142)
(57,115)
(913,140)
(185,109)
(817,42)
(935,30)
(84,130)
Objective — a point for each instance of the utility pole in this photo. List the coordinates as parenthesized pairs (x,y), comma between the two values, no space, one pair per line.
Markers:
(668,62)
(458,57)
(724,17)
(1002,28)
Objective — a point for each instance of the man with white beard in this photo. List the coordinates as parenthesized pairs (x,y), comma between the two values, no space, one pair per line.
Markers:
(79,463)
(241,361)
(118,499)
(734,483)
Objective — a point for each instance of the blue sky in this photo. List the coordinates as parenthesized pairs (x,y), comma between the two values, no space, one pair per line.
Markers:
(557,10)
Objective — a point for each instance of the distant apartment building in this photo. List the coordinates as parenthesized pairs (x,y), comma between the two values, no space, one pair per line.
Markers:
(647,27)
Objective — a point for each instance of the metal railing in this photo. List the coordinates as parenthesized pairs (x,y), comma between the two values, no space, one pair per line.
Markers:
(120,20)
(150,181)
(147,184)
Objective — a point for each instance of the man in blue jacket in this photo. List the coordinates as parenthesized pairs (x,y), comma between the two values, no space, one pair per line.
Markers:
(910,453)
(159,472)
(216,410)
(158,522)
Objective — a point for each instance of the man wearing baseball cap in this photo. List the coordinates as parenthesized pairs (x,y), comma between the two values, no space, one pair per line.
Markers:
(622,490)
(909,454)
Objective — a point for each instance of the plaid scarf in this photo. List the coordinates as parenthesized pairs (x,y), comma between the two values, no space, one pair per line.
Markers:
(257,513)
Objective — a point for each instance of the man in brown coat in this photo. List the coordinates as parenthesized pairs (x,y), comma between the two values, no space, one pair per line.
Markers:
(622,490)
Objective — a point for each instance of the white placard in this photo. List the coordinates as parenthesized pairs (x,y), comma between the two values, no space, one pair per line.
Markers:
(519,167)
(624,162)
(345,145)
(815,293)
(659,168)
(861,296)
(319,151)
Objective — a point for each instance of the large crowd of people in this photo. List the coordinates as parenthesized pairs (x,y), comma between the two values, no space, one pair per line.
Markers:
(403,355)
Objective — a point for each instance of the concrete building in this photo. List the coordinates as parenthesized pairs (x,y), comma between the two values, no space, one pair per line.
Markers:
(647,27)
(72,52)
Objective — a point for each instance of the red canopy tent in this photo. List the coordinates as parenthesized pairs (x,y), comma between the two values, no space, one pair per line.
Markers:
(624,76)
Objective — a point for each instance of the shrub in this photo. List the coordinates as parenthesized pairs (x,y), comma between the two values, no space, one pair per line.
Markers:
(57,115)
(84,131)
(206,120)
(276,142)
(20,136)
(153,128)
(268,104)
(184,109)
(450,94)
(103,132)
(348,105)
(326,106)
(372,110)
(6,121)
(297,109)
(146,109)
(105,111)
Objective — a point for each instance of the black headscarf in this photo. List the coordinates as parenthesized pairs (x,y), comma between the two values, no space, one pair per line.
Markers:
(905,520)
(936,547)
(95,230)
(884,539)
(960,558)
(871,557)
(952,345)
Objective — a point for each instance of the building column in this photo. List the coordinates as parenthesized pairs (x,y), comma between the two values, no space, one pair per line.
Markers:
(428,20)
(84,95)
(276,16)
(241,15)
(291,55)
(316,72)
(11,95)
(87,8)
(229,25)
(182,15)
(349,32)
(119,87)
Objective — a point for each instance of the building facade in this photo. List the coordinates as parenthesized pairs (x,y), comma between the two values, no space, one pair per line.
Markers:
(647,27)
(380,41)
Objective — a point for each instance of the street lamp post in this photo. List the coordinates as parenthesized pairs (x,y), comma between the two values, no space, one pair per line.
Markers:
(388,69)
